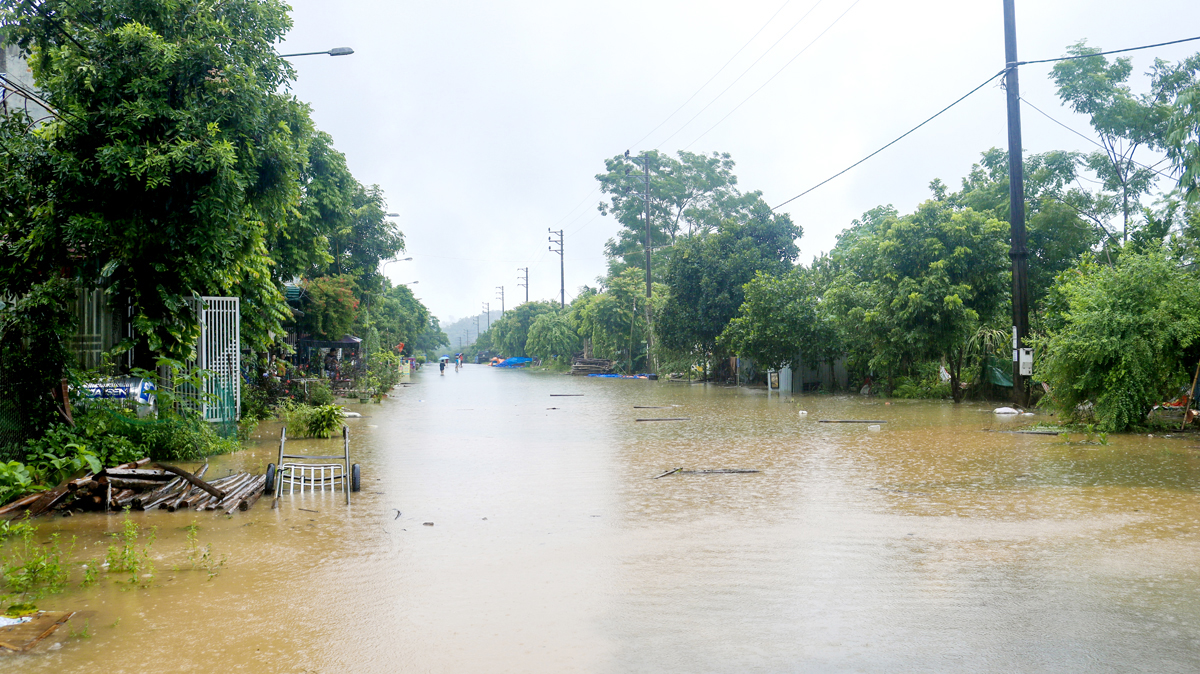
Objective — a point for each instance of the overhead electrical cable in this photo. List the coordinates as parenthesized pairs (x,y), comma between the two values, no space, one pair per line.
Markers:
(897,140)
(1105,53)
(739,77)
(714,76)
(777,72)
(939,113)
(1093,141)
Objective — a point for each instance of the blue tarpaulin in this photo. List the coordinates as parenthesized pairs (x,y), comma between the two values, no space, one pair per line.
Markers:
(515,362)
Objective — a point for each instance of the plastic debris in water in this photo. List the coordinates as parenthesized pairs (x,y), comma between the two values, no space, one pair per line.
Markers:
(803,413)
(874,427)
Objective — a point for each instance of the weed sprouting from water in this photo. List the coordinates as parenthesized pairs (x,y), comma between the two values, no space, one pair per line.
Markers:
(84,632)
(31,569)
(126,556)
(202,558)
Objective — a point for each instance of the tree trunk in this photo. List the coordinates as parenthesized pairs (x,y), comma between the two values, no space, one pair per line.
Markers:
(955,367)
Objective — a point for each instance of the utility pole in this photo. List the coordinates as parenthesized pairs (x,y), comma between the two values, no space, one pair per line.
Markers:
(487,309)
(1016,210)
(562,273)
(649,248)
(524,282)
(500,296)
(476,327)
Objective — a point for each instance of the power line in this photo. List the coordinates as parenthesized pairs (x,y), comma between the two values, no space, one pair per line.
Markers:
(744,72)
(719,71)
(897,140)
(772,77)
(1092,140)
(1105,53)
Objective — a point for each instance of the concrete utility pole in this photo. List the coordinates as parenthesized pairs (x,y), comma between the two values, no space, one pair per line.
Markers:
(562,273)
(487,309)
(500,296)
(476,327)
(1016,209)
(524,282)
(649,249)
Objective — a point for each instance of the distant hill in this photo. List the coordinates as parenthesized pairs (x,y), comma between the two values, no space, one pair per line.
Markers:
(462,331)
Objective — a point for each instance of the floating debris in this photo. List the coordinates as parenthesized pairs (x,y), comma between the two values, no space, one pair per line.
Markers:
(851,421)
(23,633)
(714,471)
(667,419)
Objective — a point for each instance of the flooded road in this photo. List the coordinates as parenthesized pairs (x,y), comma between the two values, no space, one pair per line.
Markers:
(934,544)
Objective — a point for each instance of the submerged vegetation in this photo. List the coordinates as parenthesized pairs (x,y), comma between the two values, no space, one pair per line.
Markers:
(34,565)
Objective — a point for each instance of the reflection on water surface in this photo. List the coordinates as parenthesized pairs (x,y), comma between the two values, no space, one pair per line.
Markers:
(934,544)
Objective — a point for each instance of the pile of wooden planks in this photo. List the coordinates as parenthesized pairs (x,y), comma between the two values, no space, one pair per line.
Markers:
(586,366)
(138,487)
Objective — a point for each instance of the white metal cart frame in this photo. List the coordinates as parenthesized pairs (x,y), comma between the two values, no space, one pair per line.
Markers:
(302,473)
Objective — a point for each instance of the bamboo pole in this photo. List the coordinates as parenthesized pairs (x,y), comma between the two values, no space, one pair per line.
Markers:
(254,495)
(193,479)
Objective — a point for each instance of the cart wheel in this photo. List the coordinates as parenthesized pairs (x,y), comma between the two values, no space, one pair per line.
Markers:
(355,478)
(270,487)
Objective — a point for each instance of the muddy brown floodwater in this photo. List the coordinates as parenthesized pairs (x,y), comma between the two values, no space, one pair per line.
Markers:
(929,545)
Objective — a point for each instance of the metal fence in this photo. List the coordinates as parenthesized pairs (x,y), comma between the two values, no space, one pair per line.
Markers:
(219,352)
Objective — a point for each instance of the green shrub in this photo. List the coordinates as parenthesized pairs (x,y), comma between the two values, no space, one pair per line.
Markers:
(178,438)
(926,383)
(1118,339)
(319,394)
(15,481)
(324,420)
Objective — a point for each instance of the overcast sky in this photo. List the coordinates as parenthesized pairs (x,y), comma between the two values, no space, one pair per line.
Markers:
(485,123)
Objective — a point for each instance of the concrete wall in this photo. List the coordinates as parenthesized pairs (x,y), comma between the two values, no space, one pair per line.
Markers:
(16,70)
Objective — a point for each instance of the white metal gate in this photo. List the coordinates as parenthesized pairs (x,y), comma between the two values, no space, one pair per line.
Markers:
(219,351)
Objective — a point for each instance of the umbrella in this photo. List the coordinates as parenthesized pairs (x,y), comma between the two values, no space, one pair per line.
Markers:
(444,358)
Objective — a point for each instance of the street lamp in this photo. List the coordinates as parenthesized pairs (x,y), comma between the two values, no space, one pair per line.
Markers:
(336,51)
(385,264)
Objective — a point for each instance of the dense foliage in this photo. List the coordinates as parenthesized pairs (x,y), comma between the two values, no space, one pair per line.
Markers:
(1121,339)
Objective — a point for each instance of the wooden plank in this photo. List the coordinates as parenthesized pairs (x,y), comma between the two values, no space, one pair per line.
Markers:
(667,419)
(851,421)
(25,636)
(20,503)
(134,464)
(48,500)
(139,473)
(130,483)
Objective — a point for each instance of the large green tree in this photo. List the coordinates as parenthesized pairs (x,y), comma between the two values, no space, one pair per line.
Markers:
(778,321)
(511,332)
(1125,122)
(551,335)
(173,156)
(915,288)
(707,273)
